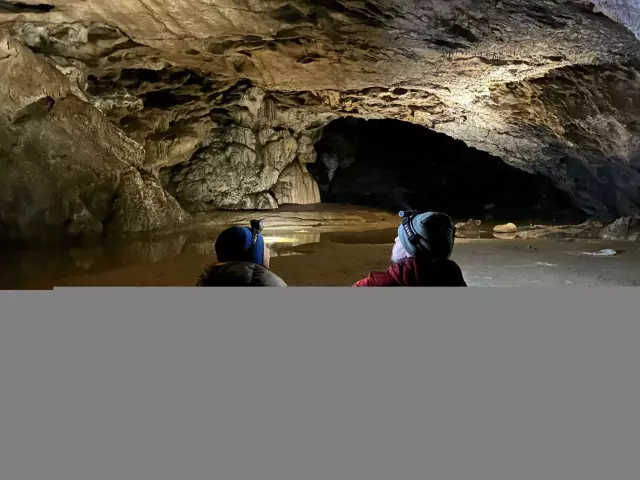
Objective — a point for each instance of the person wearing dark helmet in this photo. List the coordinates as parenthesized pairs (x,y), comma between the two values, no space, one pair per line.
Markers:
(244,260)
(421,255)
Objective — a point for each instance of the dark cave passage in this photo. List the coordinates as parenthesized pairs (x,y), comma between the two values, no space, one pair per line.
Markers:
(396,165)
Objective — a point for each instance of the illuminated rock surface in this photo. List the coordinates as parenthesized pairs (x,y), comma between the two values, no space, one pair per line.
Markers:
(124,115)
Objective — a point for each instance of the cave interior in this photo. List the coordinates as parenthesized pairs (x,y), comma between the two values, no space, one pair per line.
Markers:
(395,165)
(120,124)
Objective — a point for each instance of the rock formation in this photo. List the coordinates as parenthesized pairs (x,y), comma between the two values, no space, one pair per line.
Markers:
(66,170)
(123,115)
(623,229)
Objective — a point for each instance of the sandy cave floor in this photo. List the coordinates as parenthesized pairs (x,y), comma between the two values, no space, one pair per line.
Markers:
(484,263)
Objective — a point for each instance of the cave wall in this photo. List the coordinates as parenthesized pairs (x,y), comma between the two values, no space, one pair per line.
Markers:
(626,12)
(253,159)
(577,125)
(218,104)
(76,165)
(211,145)
(66,171)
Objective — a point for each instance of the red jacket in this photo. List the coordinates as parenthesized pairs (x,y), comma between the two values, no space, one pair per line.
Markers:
(417,273)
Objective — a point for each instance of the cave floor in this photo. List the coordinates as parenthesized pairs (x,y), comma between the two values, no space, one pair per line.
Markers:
(327,259)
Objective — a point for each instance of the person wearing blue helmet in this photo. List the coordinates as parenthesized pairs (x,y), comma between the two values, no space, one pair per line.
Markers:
(243,260)
(421,254)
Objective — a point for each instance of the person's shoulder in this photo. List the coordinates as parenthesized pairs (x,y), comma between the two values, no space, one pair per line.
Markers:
(454,272)
(263,276)
(441,271)
(239,274)
(209,275)
(443,263)
(376,279)
(452,264)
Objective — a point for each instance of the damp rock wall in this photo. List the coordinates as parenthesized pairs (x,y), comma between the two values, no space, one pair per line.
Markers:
(130,115)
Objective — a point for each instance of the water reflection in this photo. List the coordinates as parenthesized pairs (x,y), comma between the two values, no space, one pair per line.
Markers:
(42,268)
(140,252)
(85,258)
(292,239)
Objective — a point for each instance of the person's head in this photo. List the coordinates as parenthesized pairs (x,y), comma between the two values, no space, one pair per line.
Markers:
(430,234)
(243,244)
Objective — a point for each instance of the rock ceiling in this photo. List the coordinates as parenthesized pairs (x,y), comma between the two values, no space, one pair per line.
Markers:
(218,103)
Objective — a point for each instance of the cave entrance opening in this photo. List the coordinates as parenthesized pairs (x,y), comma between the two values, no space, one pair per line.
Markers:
(394,165)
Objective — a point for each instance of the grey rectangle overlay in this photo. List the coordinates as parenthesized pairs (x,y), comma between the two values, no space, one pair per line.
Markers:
(320,384)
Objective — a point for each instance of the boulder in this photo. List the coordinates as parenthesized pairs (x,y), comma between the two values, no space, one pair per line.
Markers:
(141,205)
(623,229)
(507,228)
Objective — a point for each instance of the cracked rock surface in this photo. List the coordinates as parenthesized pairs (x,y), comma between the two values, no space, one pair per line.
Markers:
(123,115)
(66,171)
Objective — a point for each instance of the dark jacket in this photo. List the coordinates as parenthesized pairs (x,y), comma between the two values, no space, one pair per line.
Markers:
(239,274)
(414,272)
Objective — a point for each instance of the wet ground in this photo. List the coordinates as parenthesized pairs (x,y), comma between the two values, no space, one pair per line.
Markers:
(304,258)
